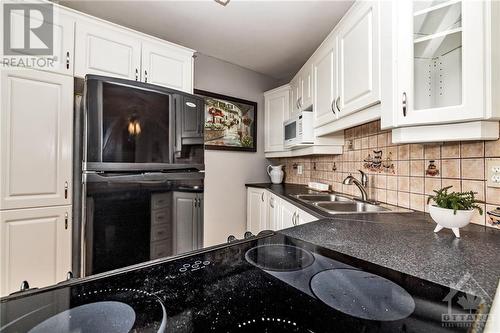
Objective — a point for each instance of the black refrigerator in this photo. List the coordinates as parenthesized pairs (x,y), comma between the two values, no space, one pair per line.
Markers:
(142,174)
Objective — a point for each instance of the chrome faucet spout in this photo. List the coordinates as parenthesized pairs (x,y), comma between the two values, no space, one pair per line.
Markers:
(350,180)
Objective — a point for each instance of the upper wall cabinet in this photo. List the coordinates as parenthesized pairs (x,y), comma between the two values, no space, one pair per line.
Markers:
(302,90)
(103,49)
(36,121)
(167,66)
(445,65)
(63,26)
(325,83)
(276,111)
(359,59)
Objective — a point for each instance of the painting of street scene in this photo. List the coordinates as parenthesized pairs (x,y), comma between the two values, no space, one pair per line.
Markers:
(230,123)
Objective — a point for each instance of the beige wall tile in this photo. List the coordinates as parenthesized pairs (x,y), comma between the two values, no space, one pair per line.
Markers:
(417,168)
(478,218)
(417,185)
(455,183)
(472,169)
(404,199)
(450,150)
(381,195)
(372,141)
(392,197)
(404,152)
(417,202)
(404,184)
(416,151)
(432,152)
(403,168)
(432,184)
(381,181)
(392,152)
(472,149)
(492,148)
(450,168)
(365,143)
(392,183)
(382,140)
(493,195)
(477,186)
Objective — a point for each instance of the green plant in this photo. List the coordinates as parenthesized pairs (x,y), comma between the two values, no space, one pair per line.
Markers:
(455,200)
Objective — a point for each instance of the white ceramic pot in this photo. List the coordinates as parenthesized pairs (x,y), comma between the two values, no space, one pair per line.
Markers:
(445,218)
(276,173)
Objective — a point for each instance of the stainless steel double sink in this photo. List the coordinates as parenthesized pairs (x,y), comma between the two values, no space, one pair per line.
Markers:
(339,204)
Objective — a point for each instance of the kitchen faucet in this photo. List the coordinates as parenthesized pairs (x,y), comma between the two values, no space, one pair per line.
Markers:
(360,184)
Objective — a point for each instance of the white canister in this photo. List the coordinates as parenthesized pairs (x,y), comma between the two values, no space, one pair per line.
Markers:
(276,173)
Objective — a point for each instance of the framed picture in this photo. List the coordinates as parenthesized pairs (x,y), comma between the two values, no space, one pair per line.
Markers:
(230,123)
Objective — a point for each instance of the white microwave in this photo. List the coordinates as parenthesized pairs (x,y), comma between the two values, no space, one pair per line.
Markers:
(299,130)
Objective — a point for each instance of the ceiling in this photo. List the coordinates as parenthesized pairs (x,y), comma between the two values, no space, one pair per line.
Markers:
(274,38)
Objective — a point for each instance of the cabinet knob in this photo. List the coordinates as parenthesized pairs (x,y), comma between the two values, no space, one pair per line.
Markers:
(24,286)
(231,238)
(67,60)
(69,275)
(66,190)
(136,74)
(145,76)
(66,221)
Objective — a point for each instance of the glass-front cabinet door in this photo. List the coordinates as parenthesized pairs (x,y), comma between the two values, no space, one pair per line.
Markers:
(440,61)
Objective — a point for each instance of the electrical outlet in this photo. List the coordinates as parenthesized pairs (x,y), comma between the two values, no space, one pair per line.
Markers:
(300,169)
(493,171)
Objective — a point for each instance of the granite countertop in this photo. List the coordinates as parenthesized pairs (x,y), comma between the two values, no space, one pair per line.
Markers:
(405,242)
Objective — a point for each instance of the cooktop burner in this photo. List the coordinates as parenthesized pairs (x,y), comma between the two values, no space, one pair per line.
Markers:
(271,325)
(110,317)
(279,257)
(362,295)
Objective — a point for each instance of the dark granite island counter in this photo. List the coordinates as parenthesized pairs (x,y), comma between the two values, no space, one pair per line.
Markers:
(406,243)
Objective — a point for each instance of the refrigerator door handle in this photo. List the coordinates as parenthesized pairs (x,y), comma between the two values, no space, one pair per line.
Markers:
(141,178)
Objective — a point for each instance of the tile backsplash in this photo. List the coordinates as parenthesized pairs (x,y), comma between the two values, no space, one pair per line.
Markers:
(401,175)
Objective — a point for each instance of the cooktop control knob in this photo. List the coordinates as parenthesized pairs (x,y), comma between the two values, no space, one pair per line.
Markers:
(194,266)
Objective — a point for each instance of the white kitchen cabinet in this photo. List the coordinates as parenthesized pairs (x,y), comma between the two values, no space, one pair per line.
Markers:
(306,77)
(167,65)
(36,122)
(274,208)
(256,209)
(63,27)
(105,49)
(446,67)
(35,245)
(325,83)
(295,92)
(187,221)
(288,215)
(276,111)
(359,59)
(304,217)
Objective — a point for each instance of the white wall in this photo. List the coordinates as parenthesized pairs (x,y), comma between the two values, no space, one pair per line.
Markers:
(226,172)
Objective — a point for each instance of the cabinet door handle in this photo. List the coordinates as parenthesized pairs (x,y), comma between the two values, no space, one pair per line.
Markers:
(300,102)
(65,190)
(297,219)
(66,221)
(67,59)
(337,103)
(332,107)
(271,202)
(145,76)
(404,103)
(136,74)
(293,218)
(262,197)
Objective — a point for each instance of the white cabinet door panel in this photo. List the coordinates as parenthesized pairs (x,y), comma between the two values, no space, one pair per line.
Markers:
(288,214)
(325,86)
(36,139)
(35,246)
(256,210)
(359,59)
(165,66)
(104,50)
(274,212)
(185,216)
(305,217)
(277,110)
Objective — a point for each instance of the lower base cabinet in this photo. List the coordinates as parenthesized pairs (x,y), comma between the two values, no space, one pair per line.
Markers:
(35,246)
(267,211)
(187,221)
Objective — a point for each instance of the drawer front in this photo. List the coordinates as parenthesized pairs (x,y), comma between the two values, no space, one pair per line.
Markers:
(161,249)
(160,216)
(160,232)
(159,200)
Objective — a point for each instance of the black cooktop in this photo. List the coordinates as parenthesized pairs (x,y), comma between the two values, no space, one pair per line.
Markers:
(267,284)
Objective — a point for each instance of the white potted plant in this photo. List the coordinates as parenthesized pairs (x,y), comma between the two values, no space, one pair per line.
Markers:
(452,210)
